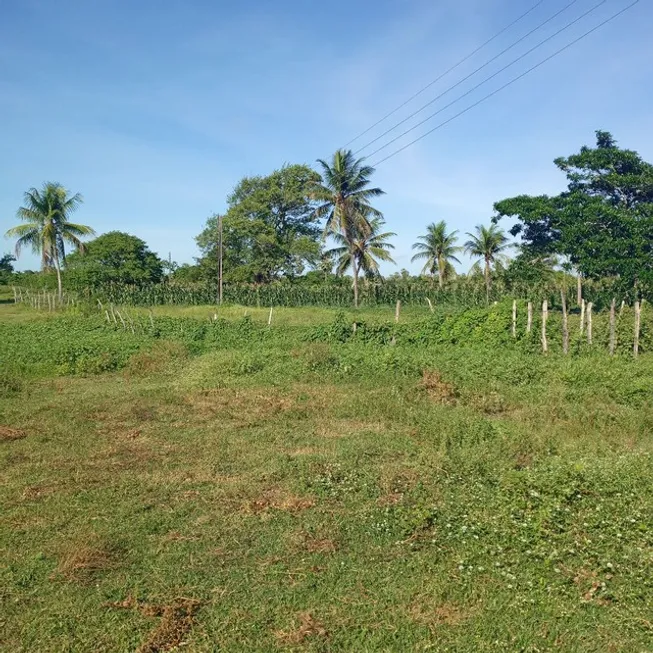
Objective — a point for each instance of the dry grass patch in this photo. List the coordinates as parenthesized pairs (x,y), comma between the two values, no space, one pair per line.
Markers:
(8,434)
(35,492)
(244,407)
(176,620)
(275,500)
(83,560)
(155,360)
(444,614)
(313,543)
(438,389)
(305,627)
(340,428)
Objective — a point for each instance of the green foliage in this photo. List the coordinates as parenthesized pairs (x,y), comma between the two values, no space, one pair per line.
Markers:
(6,268)
(437,249)
(46,225)
(270,228)
(114,257)
(603,222)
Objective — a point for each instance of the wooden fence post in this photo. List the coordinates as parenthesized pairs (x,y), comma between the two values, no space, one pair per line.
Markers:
(397,309)
(565,325)
(621,308)
(590,306)
(529,322)
(637,327)
(613,331)
(545,314)
(582,317)
(514,318)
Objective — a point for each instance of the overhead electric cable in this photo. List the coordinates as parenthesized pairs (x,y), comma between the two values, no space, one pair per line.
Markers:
(487,79)
(506,85)
(446,72)
(487,63)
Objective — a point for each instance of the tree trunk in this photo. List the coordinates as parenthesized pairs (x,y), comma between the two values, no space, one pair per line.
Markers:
(487,282)
(529,322)
(579,290)
(58,269)
(582,316)
(354,265)
(440,273)
(545,314)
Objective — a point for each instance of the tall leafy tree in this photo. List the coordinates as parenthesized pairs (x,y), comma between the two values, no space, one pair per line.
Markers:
(6,267)
(270,229)
(114,257)
(361,250)
(437,249)
(602,224)
(344,197)
(47,226)
(487,244)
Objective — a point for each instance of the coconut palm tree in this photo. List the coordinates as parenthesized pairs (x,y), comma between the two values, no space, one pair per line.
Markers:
(488,244)
(361,250)
(47,227)
(437,249)
(344,197)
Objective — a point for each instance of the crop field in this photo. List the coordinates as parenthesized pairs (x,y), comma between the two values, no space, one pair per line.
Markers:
(208,482)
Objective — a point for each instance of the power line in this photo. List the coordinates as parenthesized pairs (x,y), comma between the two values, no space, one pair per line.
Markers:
(487,79)
(512,81)
(446,72)
(487,63)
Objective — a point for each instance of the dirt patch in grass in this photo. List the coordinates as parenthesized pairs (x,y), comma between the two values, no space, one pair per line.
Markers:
(274,500)
(7,434)
(305,627)
(176,620)
(438,389)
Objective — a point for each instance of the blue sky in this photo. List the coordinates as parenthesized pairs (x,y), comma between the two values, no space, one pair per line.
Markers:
(155,110)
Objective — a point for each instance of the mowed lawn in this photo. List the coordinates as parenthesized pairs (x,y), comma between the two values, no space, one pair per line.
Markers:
(327,497)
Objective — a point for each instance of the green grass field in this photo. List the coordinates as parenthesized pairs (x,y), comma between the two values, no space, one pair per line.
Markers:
(261,490)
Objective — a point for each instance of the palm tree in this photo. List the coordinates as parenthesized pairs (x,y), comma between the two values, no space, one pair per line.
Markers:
(344,196)
(47,227)
(361,249)
(437,249)
(487,243)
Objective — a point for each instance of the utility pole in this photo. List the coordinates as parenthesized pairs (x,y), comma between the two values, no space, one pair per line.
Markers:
(220,260)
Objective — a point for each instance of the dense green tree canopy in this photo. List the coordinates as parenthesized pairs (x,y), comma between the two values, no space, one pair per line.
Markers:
(270,229)
(602,223)
(6,267)
(114,257)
